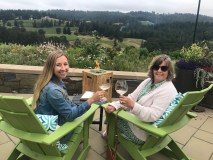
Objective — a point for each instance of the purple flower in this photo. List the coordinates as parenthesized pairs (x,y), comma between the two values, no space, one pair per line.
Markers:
(208,69)
(192,64)
(189,65)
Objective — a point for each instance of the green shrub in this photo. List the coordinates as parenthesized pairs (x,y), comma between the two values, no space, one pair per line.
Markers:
(21,55)
(84,56)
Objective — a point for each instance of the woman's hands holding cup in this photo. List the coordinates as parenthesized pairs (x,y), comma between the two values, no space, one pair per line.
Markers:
(97,96)
(126,101)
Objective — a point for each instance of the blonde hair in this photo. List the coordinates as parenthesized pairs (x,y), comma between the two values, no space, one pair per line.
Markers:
(157,61)
(46,74)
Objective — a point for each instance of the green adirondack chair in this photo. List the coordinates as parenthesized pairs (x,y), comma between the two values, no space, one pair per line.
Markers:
(19,120)
(159,139)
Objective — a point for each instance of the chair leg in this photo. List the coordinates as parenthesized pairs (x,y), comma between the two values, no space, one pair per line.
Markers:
(84,153)
(111,128)
(101,118)
(174,151)
(14,154)
(24,157)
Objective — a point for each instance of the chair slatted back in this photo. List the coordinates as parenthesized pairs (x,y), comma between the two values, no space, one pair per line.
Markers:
(185,105)
(18,114)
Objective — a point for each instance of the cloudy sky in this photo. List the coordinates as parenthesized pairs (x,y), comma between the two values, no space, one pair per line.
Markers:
(158,6)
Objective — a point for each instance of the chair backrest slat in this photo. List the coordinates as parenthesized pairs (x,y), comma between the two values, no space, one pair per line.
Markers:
(16,111)
(13,113)
(185,105)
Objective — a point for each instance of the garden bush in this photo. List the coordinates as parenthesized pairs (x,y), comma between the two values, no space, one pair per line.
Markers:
(83,56)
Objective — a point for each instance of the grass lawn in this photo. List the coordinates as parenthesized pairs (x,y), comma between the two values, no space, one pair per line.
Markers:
(132,42)
(51,31)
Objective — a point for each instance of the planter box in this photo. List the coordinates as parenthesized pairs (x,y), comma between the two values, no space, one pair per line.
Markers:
(185,81)
(208,99)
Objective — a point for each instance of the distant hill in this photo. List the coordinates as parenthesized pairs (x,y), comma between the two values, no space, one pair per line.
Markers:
(103,16)
(128,17)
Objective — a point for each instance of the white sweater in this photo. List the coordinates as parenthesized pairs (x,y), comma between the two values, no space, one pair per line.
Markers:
(151,106)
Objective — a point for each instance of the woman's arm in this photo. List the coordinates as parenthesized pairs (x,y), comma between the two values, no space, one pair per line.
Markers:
(65,107)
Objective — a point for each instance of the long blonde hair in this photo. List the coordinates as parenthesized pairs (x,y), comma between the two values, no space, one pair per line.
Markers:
(46,74)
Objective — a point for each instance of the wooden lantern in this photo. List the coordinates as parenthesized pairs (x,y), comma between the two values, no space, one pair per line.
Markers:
(92,81)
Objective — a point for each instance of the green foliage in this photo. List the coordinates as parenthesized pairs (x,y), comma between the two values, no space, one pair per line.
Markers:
(21,55)
(76,60)
(169,32)
(199,53)
(91,48)
(175,54)
(129,60)
(201,76)
(200,56)
(109,58)
(144,52)
(83,56)
(194,53)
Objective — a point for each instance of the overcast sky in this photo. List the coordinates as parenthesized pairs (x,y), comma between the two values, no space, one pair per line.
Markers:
(158,6)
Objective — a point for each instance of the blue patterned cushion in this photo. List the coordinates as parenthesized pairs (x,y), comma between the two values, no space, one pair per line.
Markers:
(48,121)
(50,124)
(171,106)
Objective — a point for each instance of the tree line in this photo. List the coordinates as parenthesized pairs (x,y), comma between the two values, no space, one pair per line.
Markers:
(156,32)
(23,37)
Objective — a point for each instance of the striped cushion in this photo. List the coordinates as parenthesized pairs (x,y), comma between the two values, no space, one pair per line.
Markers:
(50,123)
(169,109)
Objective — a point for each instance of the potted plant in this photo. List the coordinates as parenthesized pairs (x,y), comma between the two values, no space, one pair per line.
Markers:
(194,67)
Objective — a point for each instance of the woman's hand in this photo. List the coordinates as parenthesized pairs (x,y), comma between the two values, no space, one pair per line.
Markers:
(110,109)
(96,97)
(126,101)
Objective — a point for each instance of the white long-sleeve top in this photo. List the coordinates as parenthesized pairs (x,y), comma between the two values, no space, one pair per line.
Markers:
(151,106)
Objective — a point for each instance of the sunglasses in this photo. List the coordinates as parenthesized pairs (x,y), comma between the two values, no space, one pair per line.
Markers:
(163,68)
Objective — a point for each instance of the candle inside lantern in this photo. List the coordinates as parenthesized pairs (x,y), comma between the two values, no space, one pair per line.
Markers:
(97,65)
(97,68)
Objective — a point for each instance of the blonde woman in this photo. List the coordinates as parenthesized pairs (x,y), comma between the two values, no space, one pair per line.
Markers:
(50,93)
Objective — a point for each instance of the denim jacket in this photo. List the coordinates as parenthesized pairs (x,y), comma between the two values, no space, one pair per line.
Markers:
(54,100)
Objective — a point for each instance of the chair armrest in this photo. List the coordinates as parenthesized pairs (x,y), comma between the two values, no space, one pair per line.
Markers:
(48,138)
(136,121)
(69,126)
(29,100)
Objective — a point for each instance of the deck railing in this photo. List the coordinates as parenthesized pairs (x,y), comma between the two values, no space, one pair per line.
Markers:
(21,78)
